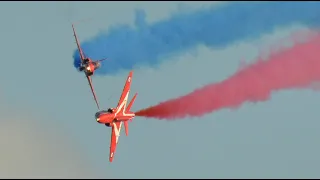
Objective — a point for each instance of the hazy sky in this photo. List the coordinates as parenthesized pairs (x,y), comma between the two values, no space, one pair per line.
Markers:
(45,97)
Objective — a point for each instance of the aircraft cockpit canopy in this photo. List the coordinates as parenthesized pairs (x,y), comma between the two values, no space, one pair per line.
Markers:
(101,112)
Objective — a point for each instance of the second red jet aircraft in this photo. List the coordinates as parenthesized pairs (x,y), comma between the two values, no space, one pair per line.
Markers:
(88,66)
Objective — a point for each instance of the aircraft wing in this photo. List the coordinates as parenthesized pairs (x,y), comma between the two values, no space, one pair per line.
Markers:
(115,134)
(125,93)
(78,44)
(92,90)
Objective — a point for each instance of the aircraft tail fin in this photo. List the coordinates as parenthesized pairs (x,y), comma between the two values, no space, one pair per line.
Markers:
(126,127)
(126,123)
(131,102)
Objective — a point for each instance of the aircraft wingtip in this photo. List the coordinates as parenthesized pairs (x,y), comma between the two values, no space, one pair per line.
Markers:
(130,73)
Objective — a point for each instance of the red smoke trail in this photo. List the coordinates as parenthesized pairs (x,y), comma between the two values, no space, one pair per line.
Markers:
(297,67)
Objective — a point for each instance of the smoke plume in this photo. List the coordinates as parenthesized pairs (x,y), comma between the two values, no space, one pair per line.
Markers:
(296,67)
(216,26)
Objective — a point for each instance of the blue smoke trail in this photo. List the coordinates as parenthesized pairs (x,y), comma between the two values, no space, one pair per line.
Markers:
(216,26)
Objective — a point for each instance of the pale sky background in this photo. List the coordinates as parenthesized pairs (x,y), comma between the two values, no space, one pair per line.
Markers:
(47,112)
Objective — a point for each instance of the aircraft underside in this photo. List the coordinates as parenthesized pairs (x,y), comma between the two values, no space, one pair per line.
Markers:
(115,120)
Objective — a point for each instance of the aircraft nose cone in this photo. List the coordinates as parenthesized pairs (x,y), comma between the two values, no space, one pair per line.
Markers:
(97,116)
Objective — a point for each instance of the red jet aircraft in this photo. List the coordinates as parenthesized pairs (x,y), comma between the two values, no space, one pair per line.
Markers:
(114,117)
(88,66)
